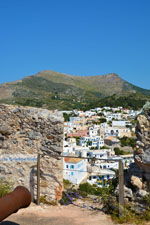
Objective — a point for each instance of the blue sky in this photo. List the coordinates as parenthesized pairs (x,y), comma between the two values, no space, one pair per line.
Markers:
(80,37)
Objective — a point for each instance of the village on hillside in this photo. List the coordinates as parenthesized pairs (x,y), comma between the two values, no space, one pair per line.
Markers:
(87,159)
(95,141)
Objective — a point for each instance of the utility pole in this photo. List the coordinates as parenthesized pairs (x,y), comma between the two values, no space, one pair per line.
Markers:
(38,179)
(121,188)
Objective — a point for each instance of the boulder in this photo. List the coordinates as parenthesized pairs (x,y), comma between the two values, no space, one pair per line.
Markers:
(128,193)
(136,182)
(141,193)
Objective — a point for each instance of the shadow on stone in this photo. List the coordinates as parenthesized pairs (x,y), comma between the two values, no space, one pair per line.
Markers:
(8,223)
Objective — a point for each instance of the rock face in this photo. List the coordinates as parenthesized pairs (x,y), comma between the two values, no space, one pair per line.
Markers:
(142,153)
(136,182)
(137,177)
(24,131)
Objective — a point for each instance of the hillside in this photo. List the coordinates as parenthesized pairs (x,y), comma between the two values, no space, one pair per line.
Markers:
(55,90)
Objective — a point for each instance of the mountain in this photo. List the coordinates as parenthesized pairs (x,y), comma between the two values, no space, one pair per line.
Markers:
(55,90)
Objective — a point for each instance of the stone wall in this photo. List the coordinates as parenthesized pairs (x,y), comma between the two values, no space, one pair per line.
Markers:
(142,153)
(23,132)
(137,177)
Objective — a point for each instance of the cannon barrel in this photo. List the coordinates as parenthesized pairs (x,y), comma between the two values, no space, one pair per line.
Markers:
(12,202)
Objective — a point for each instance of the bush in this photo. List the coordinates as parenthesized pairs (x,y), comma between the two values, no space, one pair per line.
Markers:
(102,120)
(146,199)
(87,188)
(67,184)
(126,141)
(118,151)
(5,187)
(130,216)
(66,117)
(105,147)
(45,201)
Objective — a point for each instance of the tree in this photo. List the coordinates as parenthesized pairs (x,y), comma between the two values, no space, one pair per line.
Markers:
(102,120)
(126,141)
(118,151)
(66,117)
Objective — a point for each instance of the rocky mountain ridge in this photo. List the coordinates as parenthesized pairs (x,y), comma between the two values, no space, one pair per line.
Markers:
(55,90)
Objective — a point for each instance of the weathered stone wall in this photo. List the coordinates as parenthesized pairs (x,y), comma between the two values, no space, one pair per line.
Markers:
(142,153)
(137,177)
(25,131)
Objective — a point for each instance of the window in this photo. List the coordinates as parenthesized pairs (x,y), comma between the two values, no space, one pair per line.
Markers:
(66,166)
(112,132)
(72,167)
(72,173)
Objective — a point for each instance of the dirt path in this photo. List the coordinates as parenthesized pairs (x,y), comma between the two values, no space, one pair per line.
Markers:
(57,215)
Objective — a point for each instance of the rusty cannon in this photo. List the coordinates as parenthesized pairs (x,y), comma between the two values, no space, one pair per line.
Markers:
(12,202)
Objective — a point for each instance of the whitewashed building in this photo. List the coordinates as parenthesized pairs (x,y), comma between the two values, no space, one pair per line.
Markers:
(101,154)
(94,130)
(95,142)
(121,123)
(75,170)
(117,131)
(101,177)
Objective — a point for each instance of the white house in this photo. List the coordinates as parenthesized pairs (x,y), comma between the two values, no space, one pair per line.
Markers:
(133,113)
(74,118)
(101,177)
(68,150)
(107,165)
(90,113)
(80,151)
(117,131)
(71,142)
(111,116)
(120,123)
(101,154)
(75,170)
(96,142)
(93,131)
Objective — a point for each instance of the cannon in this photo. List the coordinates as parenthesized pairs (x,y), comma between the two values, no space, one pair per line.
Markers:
(12,202)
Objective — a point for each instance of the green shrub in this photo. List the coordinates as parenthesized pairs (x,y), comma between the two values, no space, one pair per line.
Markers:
(67,184)
(146,199)
(146,215)
(87,188)
(45,201)
(127,141)
(118,151)
(129,215)
(102,120)
(5,187)
(105,147)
